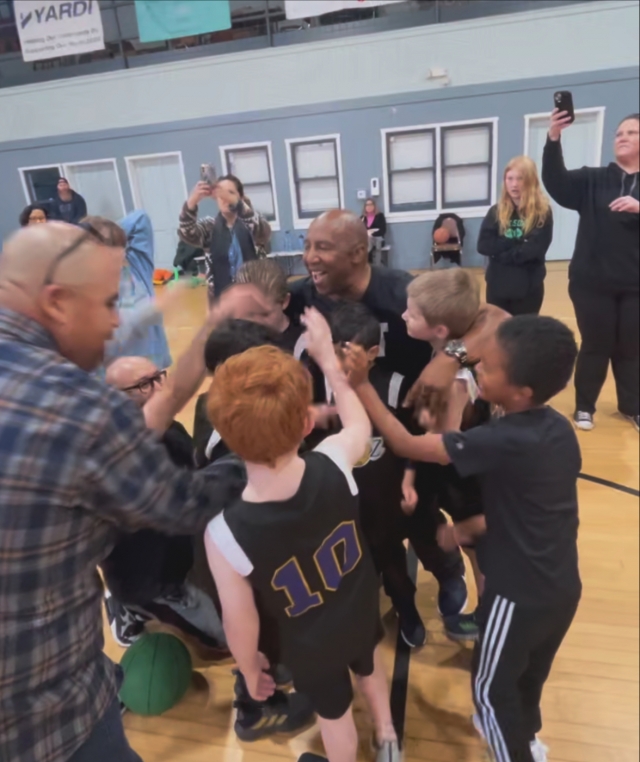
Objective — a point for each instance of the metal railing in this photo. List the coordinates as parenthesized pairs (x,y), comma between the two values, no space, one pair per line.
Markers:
(255,24)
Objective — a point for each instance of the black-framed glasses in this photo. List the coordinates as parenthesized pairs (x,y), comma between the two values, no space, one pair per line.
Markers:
(145,385)
(89,233)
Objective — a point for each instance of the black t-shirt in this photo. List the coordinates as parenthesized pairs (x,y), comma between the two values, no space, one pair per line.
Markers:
(309,565)
(528,464)
(386,297)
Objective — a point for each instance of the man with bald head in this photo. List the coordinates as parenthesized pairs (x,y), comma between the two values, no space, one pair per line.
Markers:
(78,465)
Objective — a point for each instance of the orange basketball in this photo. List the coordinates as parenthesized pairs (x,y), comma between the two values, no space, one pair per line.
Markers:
(441,235)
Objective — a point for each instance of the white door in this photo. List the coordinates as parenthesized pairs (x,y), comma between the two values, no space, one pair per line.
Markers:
(99,184)
(581,146)
(158,187)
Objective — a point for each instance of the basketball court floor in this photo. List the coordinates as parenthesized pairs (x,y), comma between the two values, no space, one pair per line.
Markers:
(591,702)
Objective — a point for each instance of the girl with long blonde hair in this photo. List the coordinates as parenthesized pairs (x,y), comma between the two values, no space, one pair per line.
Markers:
(515,237)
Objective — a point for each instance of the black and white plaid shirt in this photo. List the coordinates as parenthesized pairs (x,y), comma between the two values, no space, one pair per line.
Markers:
(76,465)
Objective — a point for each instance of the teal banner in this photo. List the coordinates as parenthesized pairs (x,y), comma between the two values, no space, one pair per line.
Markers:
(168,19)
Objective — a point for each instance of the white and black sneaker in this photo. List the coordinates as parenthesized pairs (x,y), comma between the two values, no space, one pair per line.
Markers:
(634,420)
(583,421)
(126,625)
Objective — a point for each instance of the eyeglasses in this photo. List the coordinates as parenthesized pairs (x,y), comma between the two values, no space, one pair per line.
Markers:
(147,384)
(89,233)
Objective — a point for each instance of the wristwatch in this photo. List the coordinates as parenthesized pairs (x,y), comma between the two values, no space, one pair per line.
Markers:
(458,350)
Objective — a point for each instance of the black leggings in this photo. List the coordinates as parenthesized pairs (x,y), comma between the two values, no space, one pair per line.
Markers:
(609,323)
(528,305)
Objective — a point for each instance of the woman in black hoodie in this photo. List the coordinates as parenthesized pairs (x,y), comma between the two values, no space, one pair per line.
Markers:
(604,276)
(515,237)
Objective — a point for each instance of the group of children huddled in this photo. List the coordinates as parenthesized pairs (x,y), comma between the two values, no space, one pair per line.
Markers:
(336,467)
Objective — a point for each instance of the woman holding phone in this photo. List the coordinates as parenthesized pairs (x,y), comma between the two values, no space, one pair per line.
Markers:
(515,237)
(233,237)
(604,277)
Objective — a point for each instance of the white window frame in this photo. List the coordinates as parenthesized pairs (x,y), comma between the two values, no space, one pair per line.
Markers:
(598,110)
(23,179)
(128,160)
(113,163)
(273,224)
(304,223)
(466,212)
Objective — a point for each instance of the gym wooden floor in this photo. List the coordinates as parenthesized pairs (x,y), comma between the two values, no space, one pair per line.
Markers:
(591,703)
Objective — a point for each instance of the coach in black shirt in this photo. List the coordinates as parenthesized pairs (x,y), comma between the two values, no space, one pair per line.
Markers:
(336,256)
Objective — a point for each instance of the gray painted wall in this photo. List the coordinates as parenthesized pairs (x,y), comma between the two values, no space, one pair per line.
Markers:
(359,124)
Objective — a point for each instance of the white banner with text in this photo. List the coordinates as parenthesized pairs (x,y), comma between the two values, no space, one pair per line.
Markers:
(58,27)
(298,9)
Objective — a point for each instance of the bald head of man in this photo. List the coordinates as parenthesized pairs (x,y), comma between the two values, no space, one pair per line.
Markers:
(61,277)
(137,377)
(336,253)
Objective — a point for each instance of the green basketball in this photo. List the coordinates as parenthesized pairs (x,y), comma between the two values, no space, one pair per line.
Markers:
(157,672)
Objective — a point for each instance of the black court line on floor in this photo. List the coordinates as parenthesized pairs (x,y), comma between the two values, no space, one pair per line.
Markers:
(612,485)
(400,680)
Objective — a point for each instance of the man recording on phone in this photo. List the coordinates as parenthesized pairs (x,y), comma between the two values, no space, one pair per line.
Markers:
(237,235)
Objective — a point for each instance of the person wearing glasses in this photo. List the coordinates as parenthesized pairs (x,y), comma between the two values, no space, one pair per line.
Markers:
(146,572)
(34,214)
(79,464)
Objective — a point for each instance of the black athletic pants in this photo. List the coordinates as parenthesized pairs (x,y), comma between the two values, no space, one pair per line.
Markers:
(390,555)
(511,663)
(531,304)
(609,323)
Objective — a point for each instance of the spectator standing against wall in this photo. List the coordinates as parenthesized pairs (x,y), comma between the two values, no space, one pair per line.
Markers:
(67,205)
(515,237)
(604,276)
(235,236)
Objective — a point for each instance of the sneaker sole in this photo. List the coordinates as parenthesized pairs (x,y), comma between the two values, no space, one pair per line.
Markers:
(413,645)
(252,735)
(461,638)
(584,426)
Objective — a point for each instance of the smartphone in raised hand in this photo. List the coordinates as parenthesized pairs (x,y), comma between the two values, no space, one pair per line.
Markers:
(563,101)
(208,174)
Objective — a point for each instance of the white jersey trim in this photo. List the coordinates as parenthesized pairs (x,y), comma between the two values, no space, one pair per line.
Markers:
(335,453)
(214,440)
(394,390)
(227,544)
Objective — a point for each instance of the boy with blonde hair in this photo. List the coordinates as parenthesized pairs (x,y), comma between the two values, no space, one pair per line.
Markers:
(295,540)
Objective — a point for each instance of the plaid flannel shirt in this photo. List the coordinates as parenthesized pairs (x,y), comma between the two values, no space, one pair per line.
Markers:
(76,465)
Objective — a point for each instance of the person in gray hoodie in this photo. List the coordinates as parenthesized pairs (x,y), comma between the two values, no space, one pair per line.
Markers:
(604,275)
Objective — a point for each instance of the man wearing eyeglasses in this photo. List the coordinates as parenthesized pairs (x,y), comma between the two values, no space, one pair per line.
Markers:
(78,465)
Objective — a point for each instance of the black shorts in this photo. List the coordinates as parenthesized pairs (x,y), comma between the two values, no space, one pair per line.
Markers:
(443,486)
(329,686)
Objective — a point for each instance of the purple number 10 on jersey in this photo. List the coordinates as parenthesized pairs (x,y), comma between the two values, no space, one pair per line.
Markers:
(291,580)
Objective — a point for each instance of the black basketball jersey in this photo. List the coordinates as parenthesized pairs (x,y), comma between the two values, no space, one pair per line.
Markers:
(386,297)
(308,563)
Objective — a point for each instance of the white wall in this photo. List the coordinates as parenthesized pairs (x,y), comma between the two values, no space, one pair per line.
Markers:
(586,37)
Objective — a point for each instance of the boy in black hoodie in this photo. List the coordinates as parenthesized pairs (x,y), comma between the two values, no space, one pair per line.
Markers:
(604,277)
(67,205)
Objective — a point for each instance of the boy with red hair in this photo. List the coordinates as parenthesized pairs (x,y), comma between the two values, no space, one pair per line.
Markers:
(294,540)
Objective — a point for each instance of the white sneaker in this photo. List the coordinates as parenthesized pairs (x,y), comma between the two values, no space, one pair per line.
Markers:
(583,421)
(539,751)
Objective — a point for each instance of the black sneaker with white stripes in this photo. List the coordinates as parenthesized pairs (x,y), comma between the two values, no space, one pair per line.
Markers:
(126,625)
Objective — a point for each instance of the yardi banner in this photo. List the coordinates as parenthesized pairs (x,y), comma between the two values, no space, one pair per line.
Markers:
(298,9)
(52,28)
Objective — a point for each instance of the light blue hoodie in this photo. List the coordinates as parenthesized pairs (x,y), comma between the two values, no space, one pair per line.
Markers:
(141,332)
